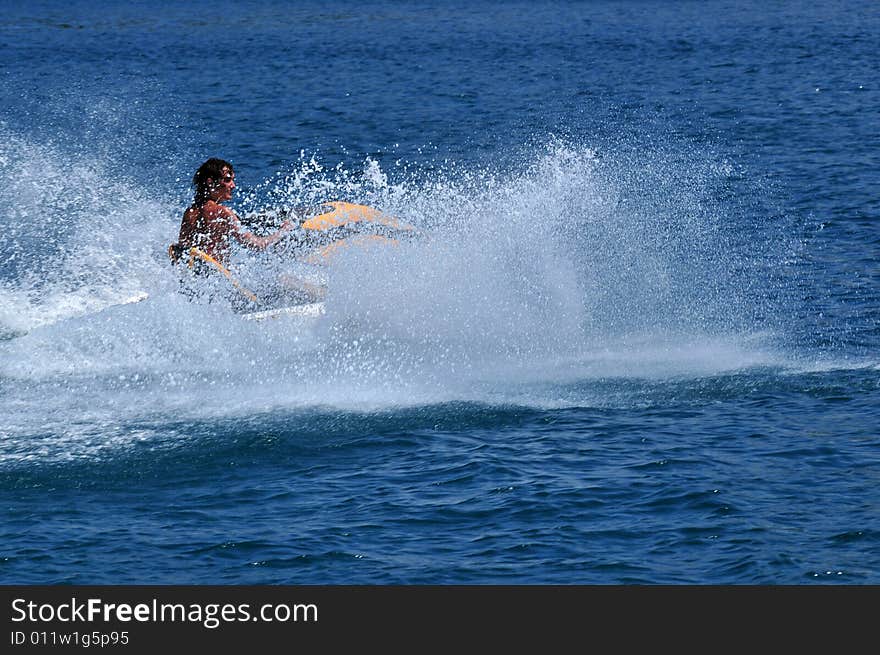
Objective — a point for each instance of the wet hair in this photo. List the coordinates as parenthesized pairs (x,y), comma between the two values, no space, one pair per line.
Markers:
(210,170)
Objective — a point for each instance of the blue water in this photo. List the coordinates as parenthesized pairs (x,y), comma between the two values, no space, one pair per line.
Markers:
(636,341)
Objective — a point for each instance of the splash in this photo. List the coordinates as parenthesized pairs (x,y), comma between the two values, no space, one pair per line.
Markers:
(75,239)
(571,263)
(576,262)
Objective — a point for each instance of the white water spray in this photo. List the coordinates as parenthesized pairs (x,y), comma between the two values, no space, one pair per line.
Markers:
(577,264)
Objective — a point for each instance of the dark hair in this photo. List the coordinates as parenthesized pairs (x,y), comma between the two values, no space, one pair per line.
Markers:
(210,170)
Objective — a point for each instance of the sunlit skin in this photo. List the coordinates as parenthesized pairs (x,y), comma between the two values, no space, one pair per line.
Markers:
(212,226)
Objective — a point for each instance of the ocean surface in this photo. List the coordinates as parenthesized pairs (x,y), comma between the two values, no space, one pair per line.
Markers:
(635,341)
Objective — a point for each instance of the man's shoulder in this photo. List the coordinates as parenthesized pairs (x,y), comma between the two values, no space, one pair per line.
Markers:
(213,210)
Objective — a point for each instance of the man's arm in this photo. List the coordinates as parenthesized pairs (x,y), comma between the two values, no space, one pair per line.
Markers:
(252,240)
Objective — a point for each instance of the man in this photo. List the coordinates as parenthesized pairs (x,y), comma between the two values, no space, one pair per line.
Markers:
(210,228)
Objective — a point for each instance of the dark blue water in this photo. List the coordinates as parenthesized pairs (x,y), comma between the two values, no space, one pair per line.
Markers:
(636,341)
